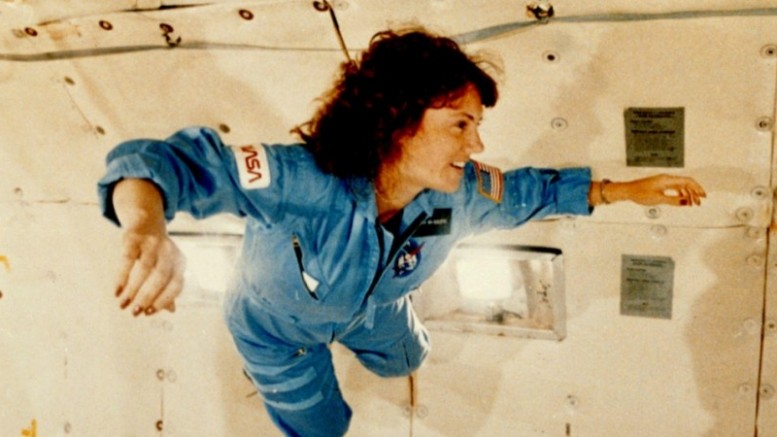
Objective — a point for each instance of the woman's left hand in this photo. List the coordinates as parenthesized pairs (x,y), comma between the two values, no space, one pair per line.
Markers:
(660,189)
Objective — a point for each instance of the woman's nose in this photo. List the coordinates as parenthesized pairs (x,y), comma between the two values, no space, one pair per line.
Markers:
(475,145)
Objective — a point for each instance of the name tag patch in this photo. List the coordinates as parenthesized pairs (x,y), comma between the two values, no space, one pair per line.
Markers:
(438,224)
(252,166)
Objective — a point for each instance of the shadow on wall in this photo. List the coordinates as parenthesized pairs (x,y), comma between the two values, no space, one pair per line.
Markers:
(725,349)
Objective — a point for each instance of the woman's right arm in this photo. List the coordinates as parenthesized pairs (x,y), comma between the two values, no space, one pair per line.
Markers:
(151,269)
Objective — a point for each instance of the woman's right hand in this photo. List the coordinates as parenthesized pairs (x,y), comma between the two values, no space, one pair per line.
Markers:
(151,272)
(151,269)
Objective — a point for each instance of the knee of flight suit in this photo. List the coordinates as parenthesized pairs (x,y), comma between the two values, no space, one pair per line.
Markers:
(302,395)
(403,358)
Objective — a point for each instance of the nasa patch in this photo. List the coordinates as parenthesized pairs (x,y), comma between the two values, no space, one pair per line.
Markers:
(252,166)
(408,258)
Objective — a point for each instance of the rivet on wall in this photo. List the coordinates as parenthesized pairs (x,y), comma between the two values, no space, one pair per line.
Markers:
(551,56)
(750,327)
(658,231)
(755,261)
(764,124)
(766,391)
(745,389)
(744,214)
(756,233)
(653,212)
(760,192)
(771,327)
(246,14)
(31,31)
(69,81)
(769,51)
(224,128)
(106,25)
(558,123)
(99,130)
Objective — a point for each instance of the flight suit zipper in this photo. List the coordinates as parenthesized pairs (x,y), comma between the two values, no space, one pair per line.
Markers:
(398,243)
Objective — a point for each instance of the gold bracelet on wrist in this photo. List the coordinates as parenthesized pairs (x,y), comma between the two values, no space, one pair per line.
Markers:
(603,184)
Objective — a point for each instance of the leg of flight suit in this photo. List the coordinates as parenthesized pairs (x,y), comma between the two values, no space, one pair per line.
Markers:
(299,388)
(297,382)
(396,345)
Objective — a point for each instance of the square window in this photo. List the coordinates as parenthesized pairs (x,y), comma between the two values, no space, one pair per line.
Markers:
(497,289)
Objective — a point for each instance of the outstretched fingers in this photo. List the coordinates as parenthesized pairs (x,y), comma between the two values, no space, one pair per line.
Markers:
(150,275)
(680,190)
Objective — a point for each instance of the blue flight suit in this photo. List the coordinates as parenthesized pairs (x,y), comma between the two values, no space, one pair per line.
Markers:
(317,266)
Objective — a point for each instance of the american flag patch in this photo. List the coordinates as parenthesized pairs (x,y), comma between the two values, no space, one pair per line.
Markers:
(490,181)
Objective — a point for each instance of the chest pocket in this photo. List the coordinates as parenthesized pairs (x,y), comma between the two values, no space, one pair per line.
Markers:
(310,283)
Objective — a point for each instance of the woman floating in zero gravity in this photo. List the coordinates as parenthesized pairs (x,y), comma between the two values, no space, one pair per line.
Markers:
(341,227)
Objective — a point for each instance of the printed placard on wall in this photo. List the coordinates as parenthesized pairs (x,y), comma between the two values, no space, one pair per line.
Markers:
(647,286)
(655,137)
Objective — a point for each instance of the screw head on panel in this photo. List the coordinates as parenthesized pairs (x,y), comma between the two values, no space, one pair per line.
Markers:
(764,124)
(558,123)
(653,212)
(755,261)
(658,231)
(760,192)
(744,214)
(551,56)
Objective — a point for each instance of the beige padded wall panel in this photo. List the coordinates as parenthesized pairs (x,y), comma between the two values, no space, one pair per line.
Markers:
(78,77)
(713,68)
(70,360)
(695,374)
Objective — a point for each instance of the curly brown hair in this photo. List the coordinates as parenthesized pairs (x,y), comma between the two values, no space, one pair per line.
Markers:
(384,93)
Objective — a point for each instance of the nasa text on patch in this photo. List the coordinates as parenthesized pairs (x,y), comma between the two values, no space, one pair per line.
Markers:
(252,166)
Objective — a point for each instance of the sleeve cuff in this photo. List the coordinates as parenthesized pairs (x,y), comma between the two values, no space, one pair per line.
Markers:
(134,167)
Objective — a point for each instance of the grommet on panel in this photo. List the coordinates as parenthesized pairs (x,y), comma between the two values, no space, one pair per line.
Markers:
(770,327)
(658,232)
(760,192)
(755,261)
(551,56)
(559,123)
(764,124)
(744,214)
(653,212)
(769,51)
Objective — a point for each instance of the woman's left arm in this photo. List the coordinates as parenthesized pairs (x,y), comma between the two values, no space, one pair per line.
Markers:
(654,190)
